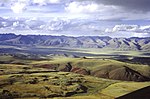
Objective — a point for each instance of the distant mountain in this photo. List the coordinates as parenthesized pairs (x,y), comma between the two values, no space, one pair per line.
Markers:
(133,43)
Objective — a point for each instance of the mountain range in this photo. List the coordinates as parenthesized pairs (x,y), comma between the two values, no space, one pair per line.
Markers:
(133,43)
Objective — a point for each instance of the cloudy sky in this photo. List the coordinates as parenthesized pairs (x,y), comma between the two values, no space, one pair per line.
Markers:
(116,18)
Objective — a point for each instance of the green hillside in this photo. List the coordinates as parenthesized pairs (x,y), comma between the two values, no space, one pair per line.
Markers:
(26,79)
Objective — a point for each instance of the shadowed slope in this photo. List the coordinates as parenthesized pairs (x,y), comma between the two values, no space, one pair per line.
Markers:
(121,73)
(138,94)
(127,74)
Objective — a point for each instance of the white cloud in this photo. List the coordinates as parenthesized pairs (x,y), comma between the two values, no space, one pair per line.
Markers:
(40,2)
(93,10)
(108,30)
(145,28)
(125,28)
(18,7)
(133,30)
(90,8)
(4,24)
(140,34)
(128,28)
(45,2)
(15,24)
(54,1)
(79,7)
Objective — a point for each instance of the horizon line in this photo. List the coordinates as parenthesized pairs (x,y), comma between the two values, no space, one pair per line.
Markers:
(66,35)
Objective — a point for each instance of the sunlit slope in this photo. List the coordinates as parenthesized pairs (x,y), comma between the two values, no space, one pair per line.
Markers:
(51,84)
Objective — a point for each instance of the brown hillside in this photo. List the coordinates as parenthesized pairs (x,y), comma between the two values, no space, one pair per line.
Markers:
(119,73)
(127,74)
(80,71)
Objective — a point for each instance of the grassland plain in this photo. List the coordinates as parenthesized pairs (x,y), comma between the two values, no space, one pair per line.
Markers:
(26,79)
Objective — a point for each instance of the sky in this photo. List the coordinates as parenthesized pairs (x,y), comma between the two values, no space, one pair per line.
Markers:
(115,18)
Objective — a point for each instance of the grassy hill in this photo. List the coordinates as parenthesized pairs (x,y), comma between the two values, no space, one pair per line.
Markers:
(35,79)
(97,67)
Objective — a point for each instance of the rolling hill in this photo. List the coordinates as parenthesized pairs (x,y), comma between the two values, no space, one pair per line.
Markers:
(69,78)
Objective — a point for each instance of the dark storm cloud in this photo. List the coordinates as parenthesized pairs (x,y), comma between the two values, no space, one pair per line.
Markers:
(142,5)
